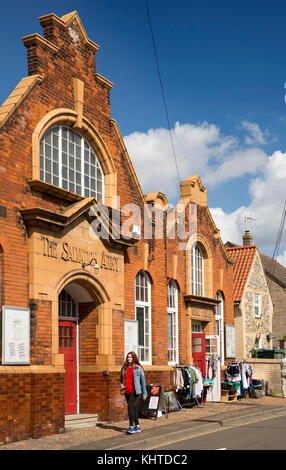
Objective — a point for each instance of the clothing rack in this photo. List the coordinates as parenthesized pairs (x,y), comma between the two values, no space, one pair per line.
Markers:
(243,377)
(195,398)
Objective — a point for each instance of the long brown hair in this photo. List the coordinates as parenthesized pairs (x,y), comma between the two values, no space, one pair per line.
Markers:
(135,360)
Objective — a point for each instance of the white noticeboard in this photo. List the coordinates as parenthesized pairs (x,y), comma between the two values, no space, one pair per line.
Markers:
(130,336)
(230,341)
(15,335)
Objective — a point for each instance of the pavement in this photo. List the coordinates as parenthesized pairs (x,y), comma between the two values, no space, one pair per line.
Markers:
(112,435)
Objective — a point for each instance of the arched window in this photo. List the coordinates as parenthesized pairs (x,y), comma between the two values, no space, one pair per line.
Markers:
(67,160)
(219,326)
(67,306)
(172,314)
(143,315)
(197,270)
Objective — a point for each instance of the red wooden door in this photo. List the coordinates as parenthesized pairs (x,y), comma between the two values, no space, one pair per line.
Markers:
(67,346)
(199,351)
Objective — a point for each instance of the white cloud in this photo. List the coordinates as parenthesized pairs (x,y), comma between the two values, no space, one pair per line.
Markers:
(240,163)
(282,258)
(257,136)
(200,149)
(229,224)
(268,195)
(203,149)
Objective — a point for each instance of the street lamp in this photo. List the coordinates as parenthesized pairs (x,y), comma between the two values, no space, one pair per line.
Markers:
(96,266)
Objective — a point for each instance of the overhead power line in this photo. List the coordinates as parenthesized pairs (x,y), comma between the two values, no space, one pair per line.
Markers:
(162,89)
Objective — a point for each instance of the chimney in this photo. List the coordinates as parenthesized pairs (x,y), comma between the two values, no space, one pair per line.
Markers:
(247,238)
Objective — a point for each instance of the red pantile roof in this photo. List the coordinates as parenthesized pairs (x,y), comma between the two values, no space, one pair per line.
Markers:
(243,256)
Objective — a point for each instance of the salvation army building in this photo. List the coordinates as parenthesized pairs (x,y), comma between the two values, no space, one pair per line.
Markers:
(76,290)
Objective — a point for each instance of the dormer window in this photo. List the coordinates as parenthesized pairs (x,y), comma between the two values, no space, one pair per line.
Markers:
(68,161)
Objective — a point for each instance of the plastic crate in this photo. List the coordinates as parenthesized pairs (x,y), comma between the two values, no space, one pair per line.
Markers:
(230,386)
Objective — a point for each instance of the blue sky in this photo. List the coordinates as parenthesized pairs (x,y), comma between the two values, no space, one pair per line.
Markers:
(223,69)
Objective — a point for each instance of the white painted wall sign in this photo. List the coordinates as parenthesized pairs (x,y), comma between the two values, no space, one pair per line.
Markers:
(230,343)
(15,335)
(131,336)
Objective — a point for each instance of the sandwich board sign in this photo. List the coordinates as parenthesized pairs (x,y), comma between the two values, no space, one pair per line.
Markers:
(154,402)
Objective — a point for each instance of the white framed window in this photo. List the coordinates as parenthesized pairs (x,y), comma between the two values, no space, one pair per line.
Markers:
(197,270)
(67,306)
(220,326)
(197,326)
(67,160)
(143,316)
(257,306)
(172,316)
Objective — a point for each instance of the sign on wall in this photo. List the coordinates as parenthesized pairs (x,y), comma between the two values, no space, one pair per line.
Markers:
(15,335)
(230,344)
(131,336)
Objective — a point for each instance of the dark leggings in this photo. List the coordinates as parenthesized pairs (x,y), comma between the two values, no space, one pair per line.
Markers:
(132,408)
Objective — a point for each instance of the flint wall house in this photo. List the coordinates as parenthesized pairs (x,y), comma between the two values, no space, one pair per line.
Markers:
(64,169)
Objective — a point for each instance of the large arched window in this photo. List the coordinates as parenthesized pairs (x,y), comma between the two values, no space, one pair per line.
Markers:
(143,315)
(67,160)
(172,313)
(197,270)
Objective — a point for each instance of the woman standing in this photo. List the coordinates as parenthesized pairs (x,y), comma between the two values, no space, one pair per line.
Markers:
(132,381)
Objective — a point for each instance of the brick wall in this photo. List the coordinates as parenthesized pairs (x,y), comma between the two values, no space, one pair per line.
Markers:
(268,370)
(88,343)
(101,394)
(31,405)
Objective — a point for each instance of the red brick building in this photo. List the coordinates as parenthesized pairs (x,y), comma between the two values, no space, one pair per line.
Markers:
(66,178)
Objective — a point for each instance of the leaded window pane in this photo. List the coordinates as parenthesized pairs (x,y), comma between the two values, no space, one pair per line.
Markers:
(68,161)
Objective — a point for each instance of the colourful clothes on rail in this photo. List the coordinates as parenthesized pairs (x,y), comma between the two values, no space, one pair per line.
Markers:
(242,373)
(189,380)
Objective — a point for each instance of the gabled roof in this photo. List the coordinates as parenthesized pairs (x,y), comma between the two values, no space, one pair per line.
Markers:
(67,20)
(17,97)
(243,256)
(274,269)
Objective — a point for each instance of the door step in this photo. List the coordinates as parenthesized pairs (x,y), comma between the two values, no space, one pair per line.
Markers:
(78,421)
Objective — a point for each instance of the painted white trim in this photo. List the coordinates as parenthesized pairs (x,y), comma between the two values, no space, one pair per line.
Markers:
(220,319)
(194,271)
(77,364)
(174,311)
(143,304)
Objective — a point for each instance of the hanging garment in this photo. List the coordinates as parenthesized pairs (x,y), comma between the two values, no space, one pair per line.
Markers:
(192,379)
(233,374)
(179,380)
(244,375)
(213,365)
(198,383)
